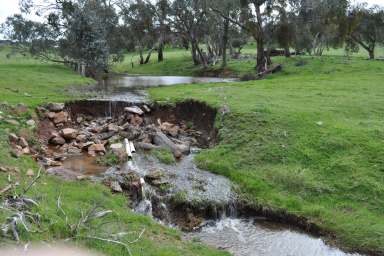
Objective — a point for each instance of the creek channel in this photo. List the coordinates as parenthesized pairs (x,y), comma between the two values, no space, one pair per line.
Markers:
(203,205)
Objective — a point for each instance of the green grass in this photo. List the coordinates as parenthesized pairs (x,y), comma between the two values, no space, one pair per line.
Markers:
(308,140)
(46,83)
(178,62)
(163,155)
(110,159)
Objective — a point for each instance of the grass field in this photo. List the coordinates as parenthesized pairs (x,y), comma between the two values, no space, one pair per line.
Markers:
(27,81)
(308,140)
(178,62)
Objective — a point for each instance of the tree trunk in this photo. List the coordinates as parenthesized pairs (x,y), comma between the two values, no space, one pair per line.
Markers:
(194,49)
(287,51)
(160,52)
(203,59)
(148,56)
(225,43)
(141,55)
(261,60)
(371,54)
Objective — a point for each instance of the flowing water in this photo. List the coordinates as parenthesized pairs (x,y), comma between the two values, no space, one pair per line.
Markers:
(240,236)
(252,237)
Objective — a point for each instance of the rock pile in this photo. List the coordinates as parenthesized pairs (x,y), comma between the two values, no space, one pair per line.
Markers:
(19,145)
(72,134)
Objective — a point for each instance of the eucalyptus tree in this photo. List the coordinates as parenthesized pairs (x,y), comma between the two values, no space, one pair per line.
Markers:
(318,24)
(138,18)
(366,28)
(74,32)
(251,19)
(189,22)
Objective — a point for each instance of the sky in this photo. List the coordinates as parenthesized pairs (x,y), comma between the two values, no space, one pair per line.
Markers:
(9,7)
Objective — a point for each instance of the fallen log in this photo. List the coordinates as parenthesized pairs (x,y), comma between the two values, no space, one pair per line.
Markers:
(146,146)
(160,139)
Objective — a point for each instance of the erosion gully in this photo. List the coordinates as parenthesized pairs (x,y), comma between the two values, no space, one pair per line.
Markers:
(201,204)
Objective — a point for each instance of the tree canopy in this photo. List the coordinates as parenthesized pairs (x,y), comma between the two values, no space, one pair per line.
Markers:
(89,35)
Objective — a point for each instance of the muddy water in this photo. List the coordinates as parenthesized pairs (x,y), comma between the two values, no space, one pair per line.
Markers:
(84,165)
(132,88)
(250,237)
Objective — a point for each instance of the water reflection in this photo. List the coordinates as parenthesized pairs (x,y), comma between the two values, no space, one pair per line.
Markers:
(248,237)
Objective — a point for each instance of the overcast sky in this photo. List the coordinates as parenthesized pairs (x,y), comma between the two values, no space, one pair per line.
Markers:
(9,7)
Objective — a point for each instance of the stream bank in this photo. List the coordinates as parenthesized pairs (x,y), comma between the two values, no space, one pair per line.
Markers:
(155,197)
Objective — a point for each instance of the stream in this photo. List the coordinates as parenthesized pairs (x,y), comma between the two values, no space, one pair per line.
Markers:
(132,88)
(224,229)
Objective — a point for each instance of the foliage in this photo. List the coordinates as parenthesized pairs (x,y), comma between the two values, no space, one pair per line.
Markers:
(165,156)
(110,159)
(365,28)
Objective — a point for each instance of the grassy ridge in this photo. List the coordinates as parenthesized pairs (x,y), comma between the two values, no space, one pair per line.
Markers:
(308,140)
(24,80)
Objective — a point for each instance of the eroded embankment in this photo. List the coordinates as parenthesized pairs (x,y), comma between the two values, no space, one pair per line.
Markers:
(175,192)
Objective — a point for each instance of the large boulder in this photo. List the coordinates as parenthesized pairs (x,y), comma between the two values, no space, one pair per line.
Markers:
(69,133)
(96,149)
(60,117)
(57,140)
(170,129)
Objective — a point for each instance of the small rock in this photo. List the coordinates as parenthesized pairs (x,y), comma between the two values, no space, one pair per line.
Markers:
(113,128)
(79,119)
(81,177)
(31,122)
(169,128)
(87,144)
(136,120)
(105,135)
(63,173)
(23,142)
(17,151)
(20,109)
(13,138)
(56,107)
(146,108)
(60,118)
(134,110)
(26,151)
(116,148)
(96,148)
(57,140)
(69,133)
(81,138)
(30,173)
(73,150)
(53,163)
(51,115)
(115,186)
